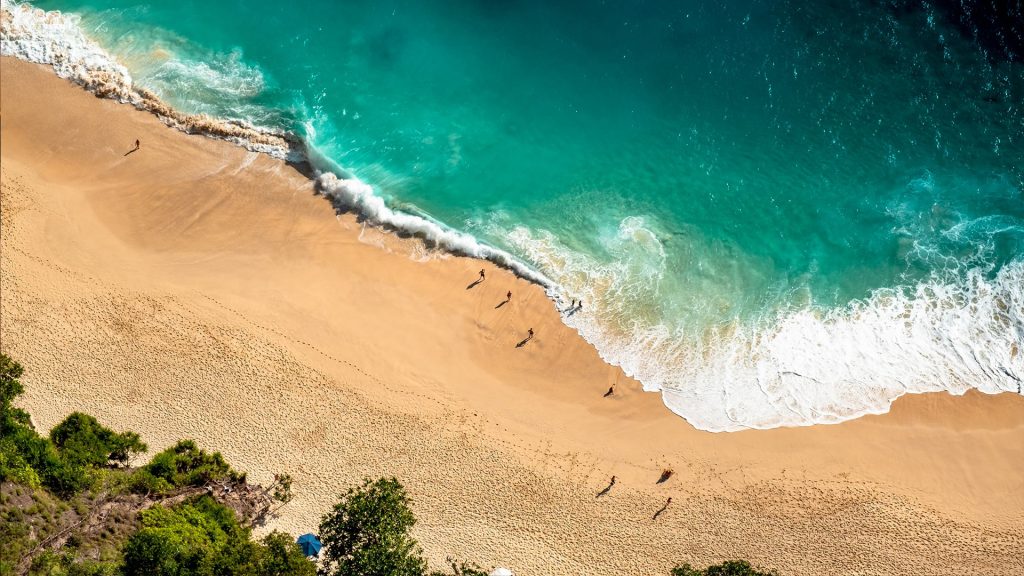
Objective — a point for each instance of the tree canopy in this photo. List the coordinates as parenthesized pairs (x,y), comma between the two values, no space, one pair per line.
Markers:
(84,441)
(727,568)
(203,538)
(183,464)
(367,532)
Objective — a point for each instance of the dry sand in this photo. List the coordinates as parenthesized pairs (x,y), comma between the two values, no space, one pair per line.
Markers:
(193,289)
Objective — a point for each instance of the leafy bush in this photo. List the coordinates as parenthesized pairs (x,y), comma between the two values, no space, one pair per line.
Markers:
(203,538)
(10,388)
(283,557)
(61,477)
(14,467)
(84,441)
(183,464)
(142,481)
(27,457)
(187,539)
(367,532)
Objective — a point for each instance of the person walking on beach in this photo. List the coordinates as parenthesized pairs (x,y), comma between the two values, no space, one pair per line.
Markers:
(136,143)
(482,275)
(525,340)
(508,297)
(613,481)
(611,390)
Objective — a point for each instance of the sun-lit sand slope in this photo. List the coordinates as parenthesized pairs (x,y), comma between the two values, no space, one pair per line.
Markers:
(192,289)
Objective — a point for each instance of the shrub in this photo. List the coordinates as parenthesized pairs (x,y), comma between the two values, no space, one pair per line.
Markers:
(282,556)
(63,464)
(184,464)
(203,538)
(10,388)
(61,477)
(142,481)
(14,467)
(83,440)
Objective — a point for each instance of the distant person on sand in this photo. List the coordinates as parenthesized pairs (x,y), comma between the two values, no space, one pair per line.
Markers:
(611,390)
(481,275)
(613,480)
(530,332)
(509,295)
(137,145)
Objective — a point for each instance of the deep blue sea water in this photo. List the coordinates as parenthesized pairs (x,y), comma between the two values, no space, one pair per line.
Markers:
(777,213)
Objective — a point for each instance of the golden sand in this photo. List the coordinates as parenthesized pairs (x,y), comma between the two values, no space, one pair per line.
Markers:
(194,289)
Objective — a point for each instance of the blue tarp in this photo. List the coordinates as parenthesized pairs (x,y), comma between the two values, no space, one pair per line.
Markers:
(310,544)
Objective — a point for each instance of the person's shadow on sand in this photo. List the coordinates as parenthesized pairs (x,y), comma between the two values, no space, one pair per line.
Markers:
(474,284)
(663,508)
(607,489)
(131,151)
(525,340)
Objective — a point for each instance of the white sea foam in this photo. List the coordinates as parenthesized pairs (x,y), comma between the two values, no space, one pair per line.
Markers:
(57,39)
(354,195)
(799,367)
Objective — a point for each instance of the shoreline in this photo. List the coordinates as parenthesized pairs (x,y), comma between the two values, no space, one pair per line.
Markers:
(99,73)
(205,291)
(102,75)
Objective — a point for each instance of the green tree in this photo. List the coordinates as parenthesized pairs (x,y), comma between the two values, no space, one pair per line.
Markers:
(10,386)
(27,457)
(727,568)
(198,538)
(203,538)
(367,533)
(61,477)
(183,464)
(13,465)
(82,440)
(281,556)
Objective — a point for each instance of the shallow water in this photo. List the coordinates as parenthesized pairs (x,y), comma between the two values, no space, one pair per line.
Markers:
(778,214)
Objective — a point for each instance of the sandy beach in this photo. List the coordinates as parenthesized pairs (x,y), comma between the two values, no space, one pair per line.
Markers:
(194,289)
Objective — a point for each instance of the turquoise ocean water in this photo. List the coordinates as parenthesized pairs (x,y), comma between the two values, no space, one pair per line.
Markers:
(777,213)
